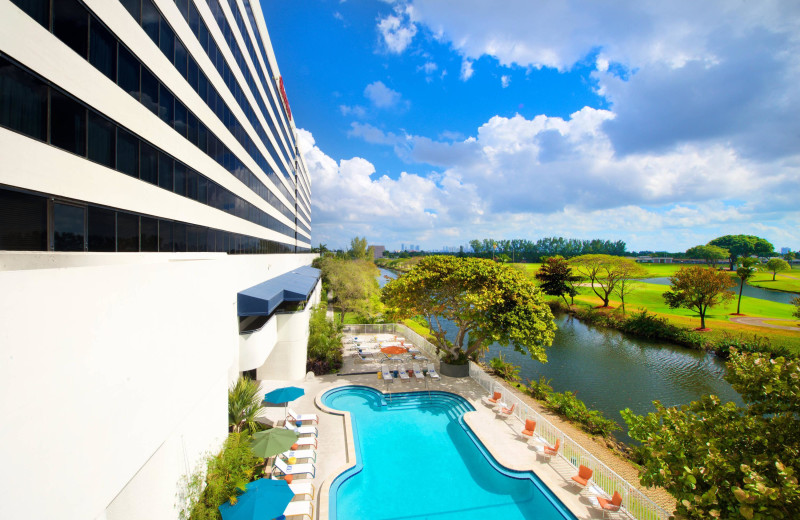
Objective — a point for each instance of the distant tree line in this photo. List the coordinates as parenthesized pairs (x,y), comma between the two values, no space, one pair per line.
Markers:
(529,251)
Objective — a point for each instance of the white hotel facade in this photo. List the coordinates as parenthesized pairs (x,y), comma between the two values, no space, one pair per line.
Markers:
(154,245)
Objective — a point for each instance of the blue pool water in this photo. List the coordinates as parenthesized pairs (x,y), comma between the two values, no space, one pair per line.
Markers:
(417,459)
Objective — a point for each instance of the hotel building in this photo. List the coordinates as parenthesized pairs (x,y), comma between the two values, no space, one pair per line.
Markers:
(154,244)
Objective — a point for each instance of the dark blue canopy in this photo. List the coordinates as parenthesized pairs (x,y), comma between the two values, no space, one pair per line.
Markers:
(264,298)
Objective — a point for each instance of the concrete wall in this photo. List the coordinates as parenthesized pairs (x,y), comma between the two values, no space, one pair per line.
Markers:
(114,377)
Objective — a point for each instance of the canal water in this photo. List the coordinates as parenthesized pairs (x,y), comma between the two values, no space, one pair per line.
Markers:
(611,371)
(748,290)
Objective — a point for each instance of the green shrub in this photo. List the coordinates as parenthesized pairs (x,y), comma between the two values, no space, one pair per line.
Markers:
(324,343)
(540,389)
(504,369)
(593,421)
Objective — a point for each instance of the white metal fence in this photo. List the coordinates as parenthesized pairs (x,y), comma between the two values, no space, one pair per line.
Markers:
(634,501)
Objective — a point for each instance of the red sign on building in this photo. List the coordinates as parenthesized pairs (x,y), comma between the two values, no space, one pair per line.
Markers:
(285,99)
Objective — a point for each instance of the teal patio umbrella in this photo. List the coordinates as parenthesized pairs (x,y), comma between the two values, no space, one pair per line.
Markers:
(283,396)
(264,499)
(271,442)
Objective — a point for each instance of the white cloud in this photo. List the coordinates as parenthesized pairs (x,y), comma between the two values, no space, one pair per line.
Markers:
(429,67)
(355,110)
(382,96)
(505,81)
(396,30)
(466,70)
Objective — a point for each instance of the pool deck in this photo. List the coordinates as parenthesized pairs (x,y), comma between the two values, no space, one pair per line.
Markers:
(335,450)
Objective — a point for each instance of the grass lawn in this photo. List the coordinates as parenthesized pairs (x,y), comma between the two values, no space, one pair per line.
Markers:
(784,281)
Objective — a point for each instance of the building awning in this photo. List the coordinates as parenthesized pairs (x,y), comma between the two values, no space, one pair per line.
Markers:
(264,298)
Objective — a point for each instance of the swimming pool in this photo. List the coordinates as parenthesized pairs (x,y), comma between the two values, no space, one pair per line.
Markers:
(417,459)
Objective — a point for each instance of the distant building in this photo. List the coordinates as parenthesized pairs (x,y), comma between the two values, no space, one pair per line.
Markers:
(654,260)
(377,251)
(785,250)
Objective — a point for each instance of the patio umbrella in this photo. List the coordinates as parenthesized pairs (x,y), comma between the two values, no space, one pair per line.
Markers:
(271,442)
(283,396)
(264,498)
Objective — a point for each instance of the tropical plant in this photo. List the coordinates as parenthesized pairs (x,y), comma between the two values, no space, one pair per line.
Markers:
(724,461)
(593,421)
(324,343)
(745,272)
(504,369)
(796,303)
(540,389)
(775,265)
(358,249)
(698,288)
(486,301)
(354,285)
(244,405)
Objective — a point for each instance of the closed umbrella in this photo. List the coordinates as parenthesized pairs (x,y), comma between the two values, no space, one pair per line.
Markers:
(271,442)
(263,499)
(283,396)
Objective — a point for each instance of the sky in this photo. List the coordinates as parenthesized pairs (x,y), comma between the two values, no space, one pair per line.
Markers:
(434,122)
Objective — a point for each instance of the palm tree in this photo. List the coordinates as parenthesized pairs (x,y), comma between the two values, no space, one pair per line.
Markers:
(244,405)
(745,272)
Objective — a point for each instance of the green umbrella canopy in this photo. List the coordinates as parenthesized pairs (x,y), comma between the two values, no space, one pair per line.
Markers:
(271,442)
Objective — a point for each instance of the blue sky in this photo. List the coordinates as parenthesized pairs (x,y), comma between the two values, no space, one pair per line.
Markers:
(433,123)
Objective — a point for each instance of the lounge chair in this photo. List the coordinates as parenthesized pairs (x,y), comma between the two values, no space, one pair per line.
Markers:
(549,452)
(529,430)
(610,506)
(432,371)
(295,469)
(387,374)
(305,442)
(303,488)
(493,400)
(403,374)
(302,416)
(417,371)
(301,430)
(304,508)
(583,477)
(300,454)
(505,411)
(363,358)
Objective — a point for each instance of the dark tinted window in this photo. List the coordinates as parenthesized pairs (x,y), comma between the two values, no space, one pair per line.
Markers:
(202,136)
(103,50)
(127,233)
(71,25)
(23,101)
(191,123)
(148,163)
(165,236)
(69,229)
(183,6)
(179,236)
(39,10)
(128,72)
(67,123)
(193,73)
(191,184)
(166,103)
(102,140)
(23,222)
(149,234)
(180,58)
(127,153)
(180,118)
(202,239)
(180,178)
(102,229)
(149,91)
(134,7)
(191,238)
(165,166)
(150,19)
(202,189)
(167,41)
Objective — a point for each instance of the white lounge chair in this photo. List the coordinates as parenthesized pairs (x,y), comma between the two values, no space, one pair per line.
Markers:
(401,371)
(306,442)
(302,488)
(417,371)
(301,509)
(432,371)
(300,454)
(295,469)
(302,416)
(387,374)
(301,430)
(363,358)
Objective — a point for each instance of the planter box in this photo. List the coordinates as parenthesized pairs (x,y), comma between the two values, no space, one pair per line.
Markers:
(446,369)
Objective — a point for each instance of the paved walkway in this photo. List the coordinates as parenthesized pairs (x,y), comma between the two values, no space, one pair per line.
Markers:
(335,448)
(761,322)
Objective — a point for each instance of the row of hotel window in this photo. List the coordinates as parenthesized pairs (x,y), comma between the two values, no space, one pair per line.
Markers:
(35,223)
(86,35)
(32,107)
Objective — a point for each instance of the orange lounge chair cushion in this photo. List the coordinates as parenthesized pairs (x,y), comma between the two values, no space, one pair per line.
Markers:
(552,451)
(612,505)
(583,476)
(530,427)
(508,411)
(496,397)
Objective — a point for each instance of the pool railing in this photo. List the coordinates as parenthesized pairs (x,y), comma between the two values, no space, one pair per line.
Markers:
(634,502)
